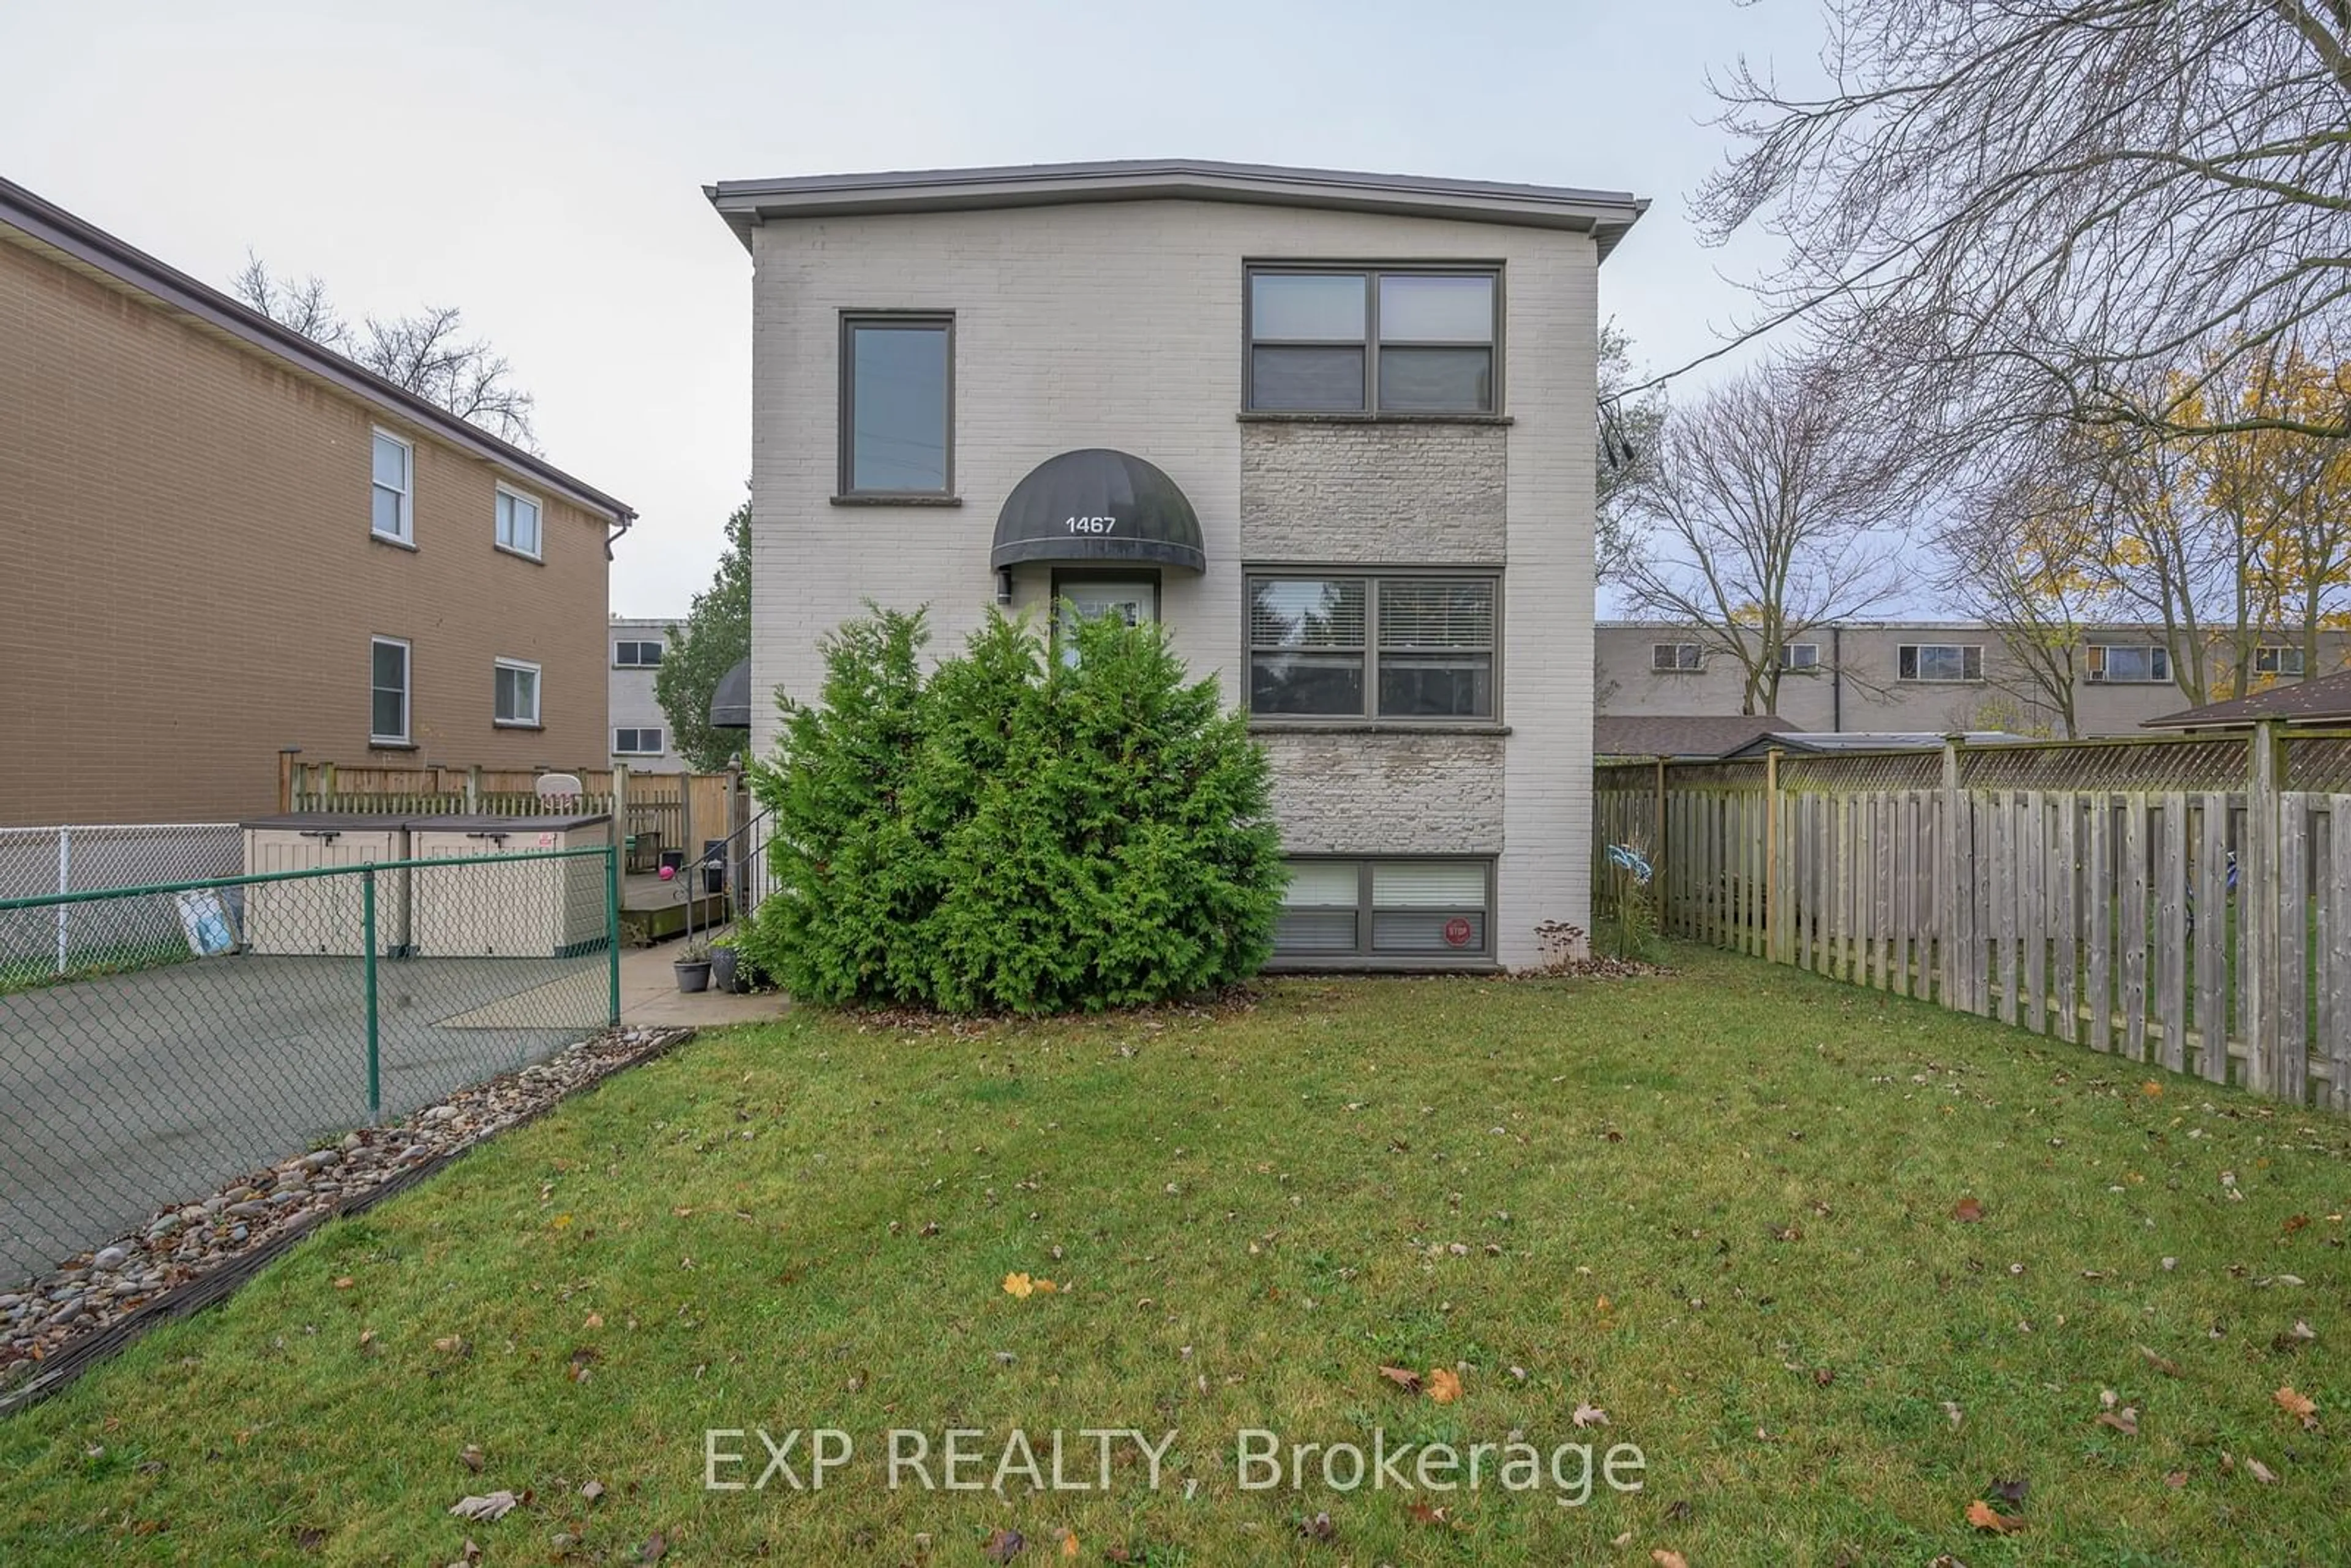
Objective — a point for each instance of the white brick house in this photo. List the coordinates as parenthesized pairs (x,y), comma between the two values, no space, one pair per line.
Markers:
(1374,393)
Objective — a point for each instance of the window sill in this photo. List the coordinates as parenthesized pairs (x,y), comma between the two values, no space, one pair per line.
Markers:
(409,545)
(910,500)
(516,724)
(1364,965)
(377,744)
(1303,416)
(518,554)
(1272,726)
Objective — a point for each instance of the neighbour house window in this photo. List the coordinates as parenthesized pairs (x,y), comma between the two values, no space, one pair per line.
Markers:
(897,405)
(394,516)
(388,687)
(1409,648)
(1799,656)
(514,692)
(517,523)
(1940,662)
(1371,340)
(1677,656)
(2116,665)
(637,742)
(2277,661)
(633,655)
(1340,909)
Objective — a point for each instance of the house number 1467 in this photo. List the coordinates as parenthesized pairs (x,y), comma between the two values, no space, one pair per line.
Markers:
(1092,525)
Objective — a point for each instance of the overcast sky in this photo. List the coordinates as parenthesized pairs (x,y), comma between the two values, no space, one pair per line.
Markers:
(540,165)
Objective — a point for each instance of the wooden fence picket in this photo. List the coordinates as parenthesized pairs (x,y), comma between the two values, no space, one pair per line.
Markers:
(2171,944)
(2290,1065)
(2213,915)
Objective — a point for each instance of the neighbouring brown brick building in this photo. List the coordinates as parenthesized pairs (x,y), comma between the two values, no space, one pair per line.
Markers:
(218,539)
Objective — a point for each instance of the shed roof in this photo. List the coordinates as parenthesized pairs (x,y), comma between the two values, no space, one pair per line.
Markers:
(2325,699)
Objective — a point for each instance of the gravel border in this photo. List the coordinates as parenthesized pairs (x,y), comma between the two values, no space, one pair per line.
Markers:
(190,1255)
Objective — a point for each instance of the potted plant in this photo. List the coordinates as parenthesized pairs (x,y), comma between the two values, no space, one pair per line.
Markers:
(692,966)
(726,971)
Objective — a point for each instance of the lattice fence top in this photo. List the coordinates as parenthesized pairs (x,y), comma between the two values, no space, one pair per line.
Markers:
(2318,762)
(2118,765)
(1862,771)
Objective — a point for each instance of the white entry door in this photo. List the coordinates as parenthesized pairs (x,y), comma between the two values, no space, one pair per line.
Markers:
(1133,599)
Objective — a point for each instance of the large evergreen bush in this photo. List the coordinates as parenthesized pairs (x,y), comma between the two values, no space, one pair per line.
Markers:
(1015,833)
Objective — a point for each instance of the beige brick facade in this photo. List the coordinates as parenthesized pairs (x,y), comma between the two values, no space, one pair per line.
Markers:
(1120,324)
(188,582)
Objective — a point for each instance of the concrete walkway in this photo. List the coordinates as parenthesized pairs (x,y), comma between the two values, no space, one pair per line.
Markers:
(649,994)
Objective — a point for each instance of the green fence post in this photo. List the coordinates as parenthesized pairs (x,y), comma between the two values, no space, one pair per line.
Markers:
(367,940)
(612,927)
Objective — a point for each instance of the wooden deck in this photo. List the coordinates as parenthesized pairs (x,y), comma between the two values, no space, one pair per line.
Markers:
(651,909)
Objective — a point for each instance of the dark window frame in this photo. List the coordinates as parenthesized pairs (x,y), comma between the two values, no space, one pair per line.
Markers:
(1364,953)
(1371,272)
(845,407)
(1693,664)
(1370,651)
(1789,665)
(1908,654)
(2278,655)
(638,734)
(382,739)
(2099,657)
(640,644)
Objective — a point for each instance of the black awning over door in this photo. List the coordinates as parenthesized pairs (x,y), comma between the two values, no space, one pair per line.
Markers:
(1097,505)
(730,703)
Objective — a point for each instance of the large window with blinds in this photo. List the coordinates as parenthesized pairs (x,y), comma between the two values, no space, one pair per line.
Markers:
(1386,912)
(1410,648)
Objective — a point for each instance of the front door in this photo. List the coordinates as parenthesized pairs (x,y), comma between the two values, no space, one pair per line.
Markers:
(1134,599)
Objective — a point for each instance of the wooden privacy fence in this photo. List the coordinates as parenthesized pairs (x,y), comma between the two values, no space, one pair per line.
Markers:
(659,811)
(2180,902)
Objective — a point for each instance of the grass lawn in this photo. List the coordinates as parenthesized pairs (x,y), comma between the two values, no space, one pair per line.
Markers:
(1718,1205)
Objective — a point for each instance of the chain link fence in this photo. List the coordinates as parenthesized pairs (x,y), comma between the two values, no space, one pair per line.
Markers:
(206,1027)
(35,861)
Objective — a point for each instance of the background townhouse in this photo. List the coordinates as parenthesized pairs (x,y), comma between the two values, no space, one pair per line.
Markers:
(1918,677)
(1335,430)
(218,539)
(640,737)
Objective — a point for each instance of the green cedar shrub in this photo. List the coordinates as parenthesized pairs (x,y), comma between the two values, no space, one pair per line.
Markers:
(1017,832)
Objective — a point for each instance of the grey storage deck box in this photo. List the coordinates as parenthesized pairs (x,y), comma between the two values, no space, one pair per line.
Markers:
(535,909)
(323,914)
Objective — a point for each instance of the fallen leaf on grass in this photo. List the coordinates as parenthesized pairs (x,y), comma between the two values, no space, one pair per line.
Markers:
(1422,1514)
(593,1321)
(1003,1545)
(1589,1415)
(1404,1378)
(346,1281)
(1968,1211)
(449,1344)
(1666,1559)
(1018,1285)
(2167,1368)
(1955,1413)
(2259,1471)
(367,1338)
(2176,1480)
(1985,1517)
(1318,1527)
(1442,1384)
(489,1509)
(2151,1089)
(592,1490)
(656,1548)
(471,1458)
(2124,1420)
(2301,1407)
(2009,1493)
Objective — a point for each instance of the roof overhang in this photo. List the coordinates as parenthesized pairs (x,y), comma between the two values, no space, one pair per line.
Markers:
(88,248)
(1605,216)
(1096,506)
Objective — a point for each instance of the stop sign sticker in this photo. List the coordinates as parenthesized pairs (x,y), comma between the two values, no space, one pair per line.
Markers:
(1457,932)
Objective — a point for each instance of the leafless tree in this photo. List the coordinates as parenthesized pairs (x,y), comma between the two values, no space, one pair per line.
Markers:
(426,352)
(1773,505)
(1629,444)
(2017,209)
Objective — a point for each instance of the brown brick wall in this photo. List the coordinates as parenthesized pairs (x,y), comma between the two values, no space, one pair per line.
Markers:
(187,583)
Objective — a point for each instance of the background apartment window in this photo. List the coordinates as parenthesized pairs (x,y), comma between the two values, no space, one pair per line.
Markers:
(636,742)
(635,655)
(1940,662)
(1361,647)
(2119,665)
(515,693)
(388,698)
(1799,656)
(1372,342)
(394,499)
(1677,656)
(896,408)
(2277,661)
(1336,910)
(517,523)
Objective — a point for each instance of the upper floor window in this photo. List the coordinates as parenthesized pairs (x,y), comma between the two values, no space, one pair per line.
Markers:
(1677,656)
(637,742)
(517,523)
(514,692)
(2118,665)
(2277,661)
(1372,341)
(388,693)
(632,655)
(1361,647)
(1799,656)
(1940,662)
(897,405)
(395,517)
